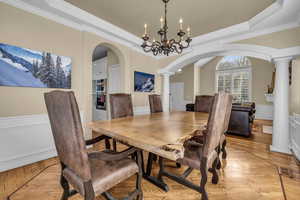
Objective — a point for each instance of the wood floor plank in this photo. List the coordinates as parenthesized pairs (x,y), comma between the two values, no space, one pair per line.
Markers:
(249,173)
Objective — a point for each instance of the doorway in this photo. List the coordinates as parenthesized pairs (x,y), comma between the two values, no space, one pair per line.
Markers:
(177,96)
(106,79)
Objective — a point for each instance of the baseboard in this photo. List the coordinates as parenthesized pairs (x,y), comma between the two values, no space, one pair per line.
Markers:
(279,150)
(25,140)
(26,159)
(264,112)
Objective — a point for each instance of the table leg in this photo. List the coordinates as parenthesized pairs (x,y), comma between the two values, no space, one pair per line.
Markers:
(152,179)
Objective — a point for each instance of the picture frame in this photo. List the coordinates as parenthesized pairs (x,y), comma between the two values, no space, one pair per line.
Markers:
(144,82)
(22,67)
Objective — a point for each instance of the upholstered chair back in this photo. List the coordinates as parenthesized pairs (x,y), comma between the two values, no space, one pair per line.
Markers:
(155,103)
(67,131)
(216,122)
(203,103)
(228,114)
(120,105)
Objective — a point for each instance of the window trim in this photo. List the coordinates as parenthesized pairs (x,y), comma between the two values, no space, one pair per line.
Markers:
(234,70)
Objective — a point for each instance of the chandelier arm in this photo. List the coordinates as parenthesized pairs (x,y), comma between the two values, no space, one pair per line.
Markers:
(165,46)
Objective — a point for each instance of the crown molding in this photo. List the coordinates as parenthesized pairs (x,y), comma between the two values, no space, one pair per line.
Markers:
(65,13)
(200,54)
(275,7)
(95,22)
(204,61)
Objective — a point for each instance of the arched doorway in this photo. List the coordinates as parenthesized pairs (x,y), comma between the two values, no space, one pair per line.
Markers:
(106,79)
(281,58)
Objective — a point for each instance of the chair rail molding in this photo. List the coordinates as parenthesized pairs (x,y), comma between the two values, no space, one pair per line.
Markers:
(25,140)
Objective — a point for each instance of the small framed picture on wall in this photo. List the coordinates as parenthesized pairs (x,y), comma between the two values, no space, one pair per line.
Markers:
(144,82)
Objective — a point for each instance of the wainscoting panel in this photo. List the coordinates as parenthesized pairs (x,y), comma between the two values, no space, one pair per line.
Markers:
(295,134)
(264,112)
(141,110)
(25,140)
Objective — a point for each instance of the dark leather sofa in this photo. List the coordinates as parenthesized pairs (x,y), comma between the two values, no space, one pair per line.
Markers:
(241,119)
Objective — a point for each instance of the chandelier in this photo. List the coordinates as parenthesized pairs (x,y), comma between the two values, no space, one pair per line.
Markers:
(166,46)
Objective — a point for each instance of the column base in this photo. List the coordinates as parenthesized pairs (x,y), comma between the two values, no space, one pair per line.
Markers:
(280,150)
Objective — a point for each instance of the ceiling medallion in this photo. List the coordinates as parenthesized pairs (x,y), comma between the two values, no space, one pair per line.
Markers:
(166,46)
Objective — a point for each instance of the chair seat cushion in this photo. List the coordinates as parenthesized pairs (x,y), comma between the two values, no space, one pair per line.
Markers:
(105,174)
(192,159)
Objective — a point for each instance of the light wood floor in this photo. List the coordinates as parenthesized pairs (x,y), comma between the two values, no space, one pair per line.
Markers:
(249,173)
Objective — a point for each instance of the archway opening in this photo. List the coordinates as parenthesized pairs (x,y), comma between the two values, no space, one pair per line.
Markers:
(106,79)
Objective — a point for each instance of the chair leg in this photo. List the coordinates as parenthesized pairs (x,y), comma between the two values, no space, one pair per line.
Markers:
(215,177)
(107,144)
(139,176)
(224,152)
(203,181)
(89,191)
(114,145)
(154,157)
(219,164)
(65,185)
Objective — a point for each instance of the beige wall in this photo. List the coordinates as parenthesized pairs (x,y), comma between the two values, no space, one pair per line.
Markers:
(143,63)
(187,77)
(207,77)
(281,39)
(112,58)
(295,88)
(261,77)
(37,33)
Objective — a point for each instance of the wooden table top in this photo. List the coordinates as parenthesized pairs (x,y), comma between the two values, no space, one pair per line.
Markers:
(160,133)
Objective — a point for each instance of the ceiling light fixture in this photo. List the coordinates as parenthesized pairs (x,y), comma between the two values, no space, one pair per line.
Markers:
(166,46)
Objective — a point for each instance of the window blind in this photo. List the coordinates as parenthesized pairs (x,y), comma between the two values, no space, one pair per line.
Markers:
(235,78)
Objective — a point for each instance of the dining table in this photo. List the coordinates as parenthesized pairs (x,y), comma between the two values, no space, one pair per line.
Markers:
(162,134)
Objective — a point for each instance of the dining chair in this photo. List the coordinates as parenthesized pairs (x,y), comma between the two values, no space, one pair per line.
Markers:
(203,103)
(90,174)
(200,151)
(155,103)
(156,107)
(120,106)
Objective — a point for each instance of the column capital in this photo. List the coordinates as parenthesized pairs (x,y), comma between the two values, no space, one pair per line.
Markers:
(282,59)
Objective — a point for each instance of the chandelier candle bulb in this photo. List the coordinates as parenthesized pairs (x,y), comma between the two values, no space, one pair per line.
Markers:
(145,26)
(181,23)
(189,31)
(161,22)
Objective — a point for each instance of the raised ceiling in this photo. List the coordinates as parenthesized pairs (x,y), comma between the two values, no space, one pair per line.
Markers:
(203,16)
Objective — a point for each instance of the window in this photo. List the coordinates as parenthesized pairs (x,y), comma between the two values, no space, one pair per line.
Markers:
(233,75)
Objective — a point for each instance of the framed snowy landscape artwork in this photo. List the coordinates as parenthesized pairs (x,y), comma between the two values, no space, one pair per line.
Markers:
(21,67)
(143,82)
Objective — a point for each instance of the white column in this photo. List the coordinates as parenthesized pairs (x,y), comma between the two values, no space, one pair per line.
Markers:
(280,137)
(166,91)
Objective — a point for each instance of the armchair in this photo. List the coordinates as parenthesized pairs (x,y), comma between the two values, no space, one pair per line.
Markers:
(120,106)
(201,150)
(90,174)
